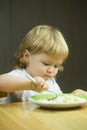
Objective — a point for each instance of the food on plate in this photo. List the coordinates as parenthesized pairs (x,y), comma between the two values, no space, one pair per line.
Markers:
(63,99)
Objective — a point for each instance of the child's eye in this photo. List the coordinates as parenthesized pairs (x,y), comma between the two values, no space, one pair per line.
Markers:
(56,66)
(46,64)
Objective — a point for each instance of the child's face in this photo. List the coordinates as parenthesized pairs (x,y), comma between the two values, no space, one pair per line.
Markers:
(42,65)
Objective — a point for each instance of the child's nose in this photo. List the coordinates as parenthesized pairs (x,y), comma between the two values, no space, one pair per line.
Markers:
(51,69)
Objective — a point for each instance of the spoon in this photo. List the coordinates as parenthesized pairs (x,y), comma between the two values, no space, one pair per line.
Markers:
(34,81)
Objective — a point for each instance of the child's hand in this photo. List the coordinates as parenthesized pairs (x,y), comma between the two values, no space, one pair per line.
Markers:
(40,84)
(80,91)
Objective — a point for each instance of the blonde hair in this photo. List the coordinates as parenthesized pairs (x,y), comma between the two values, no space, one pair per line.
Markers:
(42,39)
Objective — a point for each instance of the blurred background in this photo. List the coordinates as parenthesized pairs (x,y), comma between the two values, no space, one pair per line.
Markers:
(17,17)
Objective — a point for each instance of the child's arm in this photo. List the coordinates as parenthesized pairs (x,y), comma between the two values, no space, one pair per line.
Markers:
(9,83)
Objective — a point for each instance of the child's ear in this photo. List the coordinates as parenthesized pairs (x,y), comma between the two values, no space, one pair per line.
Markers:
(26,55)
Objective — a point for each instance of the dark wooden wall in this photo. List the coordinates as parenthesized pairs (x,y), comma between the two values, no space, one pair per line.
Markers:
(70,16)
